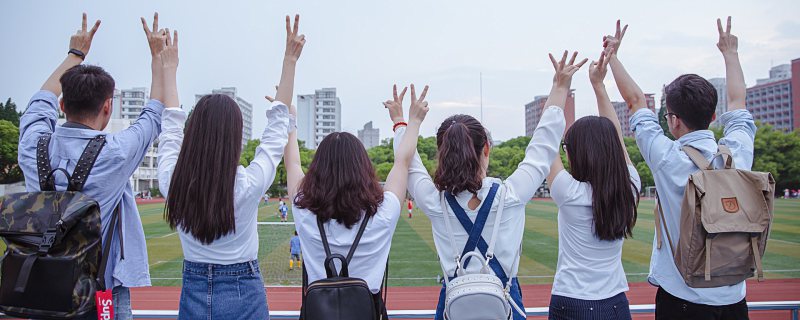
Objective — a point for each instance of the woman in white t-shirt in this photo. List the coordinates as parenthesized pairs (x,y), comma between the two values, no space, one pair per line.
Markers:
(342,191)
(597,202)
(463,152)
(212,200)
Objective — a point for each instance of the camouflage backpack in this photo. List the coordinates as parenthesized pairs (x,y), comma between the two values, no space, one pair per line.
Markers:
(53,263)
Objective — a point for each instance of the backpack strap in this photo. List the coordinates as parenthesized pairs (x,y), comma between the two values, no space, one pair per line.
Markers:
(496,230)
(86,162)
(101,273)
(329,265)
(661,222)
(756,256)
(697,158)
(475,230)
(727,156)
(43,163)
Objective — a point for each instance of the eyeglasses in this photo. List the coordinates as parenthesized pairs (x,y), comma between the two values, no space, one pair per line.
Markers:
(668,114)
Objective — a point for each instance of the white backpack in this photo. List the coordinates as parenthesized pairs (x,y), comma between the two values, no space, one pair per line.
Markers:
(480,295)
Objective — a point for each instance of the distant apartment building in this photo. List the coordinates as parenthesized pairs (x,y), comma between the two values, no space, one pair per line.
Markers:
(721,85)
(369,136)
(129,103)
(534,110)
(318,115)
(624,114)
(244,106)
(776,100)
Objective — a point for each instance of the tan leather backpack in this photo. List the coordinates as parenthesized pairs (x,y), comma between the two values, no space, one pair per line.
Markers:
(725,221)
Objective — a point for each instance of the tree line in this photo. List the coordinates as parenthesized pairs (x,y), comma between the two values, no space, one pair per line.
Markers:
(775,151)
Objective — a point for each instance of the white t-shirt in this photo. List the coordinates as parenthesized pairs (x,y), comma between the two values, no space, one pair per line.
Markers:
(588,268)
(369,259)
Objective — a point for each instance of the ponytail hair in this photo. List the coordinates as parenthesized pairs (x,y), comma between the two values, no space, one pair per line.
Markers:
(460,141)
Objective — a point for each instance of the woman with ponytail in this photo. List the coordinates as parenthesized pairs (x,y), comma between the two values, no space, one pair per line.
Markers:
(461,195)
(597,202)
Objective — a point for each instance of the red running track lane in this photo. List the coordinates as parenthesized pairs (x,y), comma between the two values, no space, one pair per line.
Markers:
(425,298)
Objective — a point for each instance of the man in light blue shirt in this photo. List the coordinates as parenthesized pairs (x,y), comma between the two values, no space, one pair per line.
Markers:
(87,102)
(691,105)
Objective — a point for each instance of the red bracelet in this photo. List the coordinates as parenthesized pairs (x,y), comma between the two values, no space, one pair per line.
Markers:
(401,123)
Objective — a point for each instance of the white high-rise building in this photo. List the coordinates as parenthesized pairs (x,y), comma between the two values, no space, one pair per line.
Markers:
(244,106)
(369,136)
(318,115)
(721,85)
(131,102)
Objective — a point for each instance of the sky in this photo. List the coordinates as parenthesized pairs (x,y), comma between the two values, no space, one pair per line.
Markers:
(363,47)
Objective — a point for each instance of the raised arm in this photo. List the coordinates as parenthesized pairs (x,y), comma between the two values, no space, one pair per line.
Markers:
(628,88)
(136,139)
(729,46)
(597,73)
(397,179)
(79,45)
(294,47)
(291,154)
(169,66)
(562,80)
(156,39)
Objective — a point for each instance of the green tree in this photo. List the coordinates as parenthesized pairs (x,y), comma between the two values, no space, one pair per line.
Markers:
(8,112)
(9,168)
(278,186)
(778,152)
(663,122)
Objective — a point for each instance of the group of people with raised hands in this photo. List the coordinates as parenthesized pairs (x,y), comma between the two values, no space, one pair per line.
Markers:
(342,210)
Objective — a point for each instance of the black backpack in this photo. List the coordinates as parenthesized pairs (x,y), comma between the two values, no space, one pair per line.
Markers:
(340,297)
(53,263)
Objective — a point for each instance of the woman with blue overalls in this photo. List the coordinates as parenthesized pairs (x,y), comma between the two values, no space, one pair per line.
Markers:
(472,198)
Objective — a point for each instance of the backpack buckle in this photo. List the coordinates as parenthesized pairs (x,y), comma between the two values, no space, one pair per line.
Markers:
(48,238)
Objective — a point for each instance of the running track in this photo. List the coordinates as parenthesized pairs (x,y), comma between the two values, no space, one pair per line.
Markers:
(425,298)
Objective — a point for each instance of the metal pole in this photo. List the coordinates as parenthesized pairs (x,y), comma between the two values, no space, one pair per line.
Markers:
(481,80)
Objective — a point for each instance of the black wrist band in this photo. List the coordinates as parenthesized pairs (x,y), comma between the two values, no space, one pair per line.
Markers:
(77,53)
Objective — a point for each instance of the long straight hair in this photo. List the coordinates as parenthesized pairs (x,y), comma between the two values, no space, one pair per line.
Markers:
(460,141)
(340,183)
(200,199)
(597,157)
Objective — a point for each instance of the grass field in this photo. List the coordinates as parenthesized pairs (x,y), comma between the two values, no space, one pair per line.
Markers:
(413,260)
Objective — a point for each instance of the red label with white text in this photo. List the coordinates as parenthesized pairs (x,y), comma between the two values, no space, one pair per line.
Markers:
(105,305)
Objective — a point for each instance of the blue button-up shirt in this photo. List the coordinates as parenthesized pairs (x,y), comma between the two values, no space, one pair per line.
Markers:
(108,182)
(671,168)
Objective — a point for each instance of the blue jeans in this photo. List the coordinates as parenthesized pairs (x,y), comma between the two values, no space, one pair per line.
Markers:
(214,291)
(615,307)
(516,294)
(122,305)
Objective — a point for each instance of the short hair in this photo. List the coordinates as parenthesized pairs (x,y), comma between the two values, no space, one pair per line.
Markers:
(340,183)
(693,99)
(85,89)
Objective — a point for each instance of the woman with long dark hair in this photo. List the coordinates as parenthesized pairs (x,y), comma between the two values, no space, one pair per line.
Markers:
(341,191)
(473,199)
(212,201)
(597,201)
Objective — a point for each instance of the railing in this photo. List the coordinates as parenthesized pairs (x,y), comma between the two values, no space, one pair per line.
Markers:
(792,306)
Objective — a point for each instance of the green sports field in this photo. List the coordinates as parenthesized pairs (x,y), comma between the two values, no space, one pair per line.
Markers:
(413,260)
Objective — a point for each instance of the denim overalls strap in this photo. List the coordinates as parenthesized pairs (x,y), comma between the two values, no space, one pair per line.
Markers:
(475,229)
